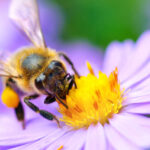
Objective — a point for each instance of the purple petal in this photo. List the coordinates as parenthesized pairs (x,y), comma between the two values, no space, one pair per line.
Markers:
(139,88)
(52,135)
(34,124)
(117,54)
(135,128)
(138,108)
(118,141)
(109,146)
(141,53)
(137,99)
(72,140)
(140,57)
(142,75)
(95,138)
(130,58)
(36,129)
(18,147)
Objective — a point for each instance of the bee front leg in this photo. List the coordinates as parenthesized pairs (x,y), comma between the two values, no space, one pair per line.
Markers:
(36,109)
(52,98)
(49,99)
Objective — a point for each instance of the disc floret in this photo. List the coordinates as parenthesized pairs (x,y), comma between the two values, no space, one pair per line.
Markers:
(95,100)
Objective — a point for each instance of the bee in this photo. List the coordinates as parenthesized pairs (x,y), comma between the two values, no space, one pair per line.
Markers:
(35,70)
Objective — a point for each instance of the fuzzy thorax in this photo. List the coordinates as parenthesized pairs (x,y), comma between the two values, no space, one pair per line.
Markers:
(96,99)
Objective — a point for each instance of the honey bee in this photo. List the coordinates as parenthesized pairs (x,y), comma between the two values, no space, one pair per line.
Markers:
(36,70)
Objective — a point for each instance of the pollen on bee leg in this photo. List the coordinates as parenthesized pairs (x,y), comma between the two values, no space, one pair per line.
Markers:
(10,98)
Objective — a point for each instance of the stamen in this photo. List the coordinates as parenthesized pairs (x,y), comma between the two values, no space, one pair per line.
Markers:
(95,100)
(90,68)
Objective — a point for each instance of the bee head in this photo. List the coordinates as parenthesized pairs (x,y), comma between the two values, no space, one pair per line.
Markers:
(55,80)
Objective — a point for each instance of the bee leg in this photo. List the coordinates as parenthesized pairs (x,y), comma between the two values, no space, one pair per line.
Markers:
(72,83)
(43,113)
(49,99)
(49,116)
(59,99)
(70,62)
(52,98)
(19,111)
(20,114)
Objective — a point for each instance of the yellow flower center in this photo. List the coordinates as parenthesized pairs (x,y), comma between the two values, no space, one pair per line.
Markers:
(96,99)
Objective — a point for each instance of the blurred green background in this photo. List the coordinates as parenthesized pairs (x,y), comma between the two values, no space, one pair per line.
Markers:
(102,21)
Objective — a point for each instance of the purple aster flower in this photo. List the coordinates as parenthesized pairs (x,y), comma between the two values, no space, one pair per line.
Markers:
(106,112)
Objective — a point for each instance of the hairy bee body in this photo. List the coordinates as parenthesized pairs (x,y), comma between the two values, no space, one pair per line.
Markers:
(36,70)
(29,63)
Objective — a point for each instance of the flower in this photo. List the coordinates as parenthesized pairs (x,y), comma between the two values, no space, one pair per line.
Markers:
(125,126)
(95,100)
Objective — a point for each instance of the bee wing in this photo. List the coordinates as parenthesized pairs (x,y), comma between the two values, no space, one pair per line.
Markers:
(25,14)
(6,70)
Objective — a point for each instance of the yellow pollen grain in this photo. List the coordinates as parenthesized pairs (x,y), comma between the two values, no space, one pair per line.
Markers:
(96,99)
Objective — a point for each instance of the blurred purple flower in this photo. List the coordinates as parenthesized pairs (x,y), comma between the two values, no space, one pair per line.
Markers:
(11,38)
(129,129)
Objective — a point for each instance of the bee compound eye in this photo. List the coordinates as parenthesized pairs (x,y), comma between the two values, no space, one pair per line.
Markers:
(55,63)
(39,81)
(38,84)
